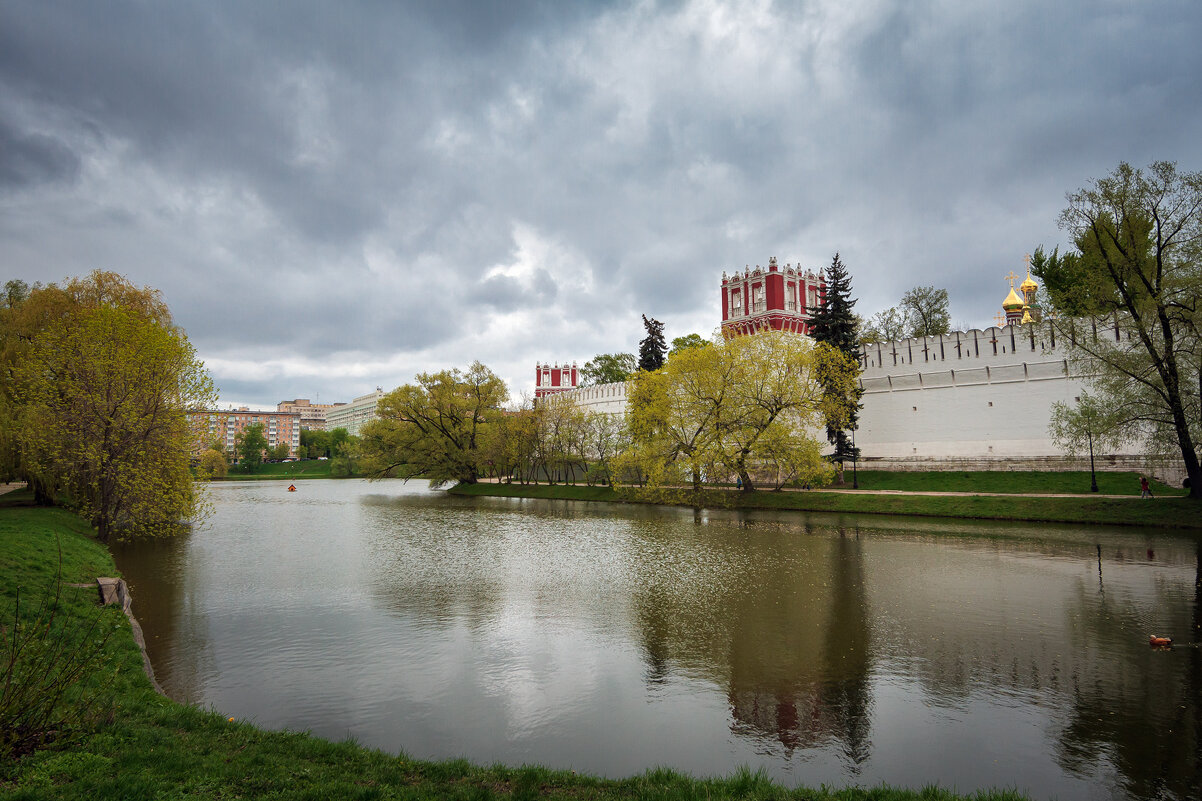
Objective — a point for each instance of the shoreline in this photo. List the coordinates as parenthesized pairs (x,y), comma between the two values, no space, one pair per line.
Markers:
(153,746)
(1173,512)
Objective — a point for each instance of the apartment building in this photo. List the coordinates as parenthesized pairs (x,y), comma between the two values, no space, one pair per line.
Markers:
(354,415)
(313,415)
(224,426)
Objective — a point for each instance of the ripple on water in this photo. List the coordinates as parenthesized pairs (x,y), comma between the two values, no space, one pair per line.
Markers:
(612,638)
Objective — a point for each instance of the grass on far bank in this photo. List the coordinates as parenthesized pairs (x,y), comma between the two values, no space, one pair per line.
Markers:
(1006,481)
(1166,512)
(155,748)
(308,468)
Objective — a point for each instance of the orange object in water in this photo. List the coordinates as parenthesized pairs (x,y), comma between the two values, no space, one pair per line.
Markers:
(1160,642)
(292,488)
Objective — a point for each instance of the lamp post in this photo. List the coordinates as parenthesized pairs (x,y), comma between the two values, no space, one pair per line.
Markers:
(855,479)
(1093,478)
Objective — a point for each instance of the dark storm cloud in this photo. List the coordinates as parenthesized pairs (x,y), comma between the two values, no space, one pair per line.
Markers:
(32,158)
(346,194)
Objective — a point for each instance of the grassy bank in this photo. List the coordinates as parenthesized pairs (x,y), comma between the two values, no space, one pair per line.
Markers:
(1018,481)
(1169,512)
(310,468)
(145,746)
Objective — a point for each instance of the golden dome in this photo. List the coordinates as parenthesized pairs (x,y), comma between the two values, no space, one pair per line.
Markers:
(1012,302)
(1028,284)
(1027,319)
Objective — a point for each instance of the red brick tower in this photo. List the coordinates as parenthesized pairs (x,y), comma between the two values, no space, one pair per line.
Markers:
(548,380)
(759,300)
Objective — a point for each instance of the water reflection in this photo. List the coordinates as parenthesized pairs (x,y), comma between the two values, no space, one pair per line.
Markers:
(828,649)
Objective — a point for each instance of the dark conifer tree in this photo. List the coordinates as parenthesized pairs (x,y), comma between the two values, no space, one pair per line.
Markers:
(835,324)
(653,347)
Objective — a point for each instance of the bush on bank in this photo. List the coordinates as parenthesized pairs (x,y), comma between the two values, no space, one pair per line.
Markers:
(151,747)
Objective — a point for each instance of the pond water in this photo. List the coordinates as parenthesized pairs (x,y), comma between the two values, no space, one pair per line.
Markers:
(610,639)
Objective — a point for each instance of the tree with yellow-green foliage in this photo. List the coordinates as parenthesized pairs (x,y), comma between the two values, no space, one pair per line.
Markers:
(780,381)
(674,414)
(744,404)
(212,464)
(436,428)
(98,386)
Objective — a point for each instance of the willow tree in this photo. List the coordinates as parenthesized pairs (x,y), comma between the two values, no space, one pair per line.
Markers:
(435,429)
(1137,266)
(674,413)
(104,386)
(743,405)
(781,383)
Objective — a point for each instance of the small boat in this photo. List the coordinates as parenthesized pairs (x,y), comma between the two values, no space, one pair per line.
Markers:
(1160,642)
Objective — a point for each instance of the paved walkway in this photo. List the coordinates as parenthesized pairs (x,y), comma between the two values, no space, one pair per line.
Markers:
(849,491)
(12,485)
(985,494)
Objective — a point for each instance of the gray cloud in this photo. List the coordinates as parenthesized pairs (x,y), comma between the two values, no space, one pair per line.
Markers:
(28,159)
(348,194)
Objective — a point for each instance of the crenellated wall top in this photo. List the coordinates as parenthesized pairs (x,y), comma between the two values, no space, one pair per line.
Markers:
(1007,344)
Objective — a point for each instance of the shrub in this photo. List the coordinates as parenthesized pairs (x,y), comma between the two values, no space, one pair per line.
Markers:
(42,662)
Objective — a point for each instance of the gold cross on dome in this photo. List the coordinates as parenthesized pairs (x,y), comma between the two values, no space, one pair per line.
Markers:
(1000,319)
(1027,259)
(1012,278)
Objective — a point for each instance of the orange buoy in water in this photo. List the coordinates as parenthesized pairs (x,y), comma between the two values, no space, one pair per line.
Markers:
(1160,642)
(292,488)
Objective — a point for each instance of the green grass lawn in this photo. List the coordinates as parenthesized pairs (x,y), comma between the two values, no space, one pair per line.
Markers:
(310,468)
(1017,481)
(148,747)
(1166,512)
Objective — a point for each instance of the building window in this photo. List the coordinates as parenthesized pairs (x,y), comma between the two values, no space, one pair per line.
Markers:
(736,301)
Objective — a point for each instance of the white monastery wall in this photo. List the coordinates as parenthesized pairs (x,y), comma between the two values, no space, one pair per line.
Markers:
(974,395)
(608,398)
(977,399)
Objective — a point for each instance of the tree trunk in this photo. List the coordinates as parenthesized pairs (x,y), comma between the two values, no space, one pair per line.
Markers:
(746,479)
(1192,468)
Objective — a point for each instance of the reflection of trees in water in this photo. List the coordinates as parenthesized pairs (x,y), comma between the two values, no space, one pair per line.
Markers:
(985,619)
(176,632)
(846,687)
(473,564)
(782,624)
(780,619)
(1135,706)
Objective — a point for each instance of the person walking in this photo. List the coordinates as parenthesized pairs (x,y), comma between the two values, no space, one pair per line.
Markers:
(1145,491)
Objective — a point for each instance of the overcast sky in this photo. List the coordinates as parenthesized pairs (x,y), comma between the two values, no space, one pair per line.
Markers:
(334,196)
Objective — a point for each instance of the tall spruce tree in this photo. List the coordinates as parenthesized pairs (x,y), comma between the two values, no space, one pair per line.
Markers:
(835,324)
(653,347)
